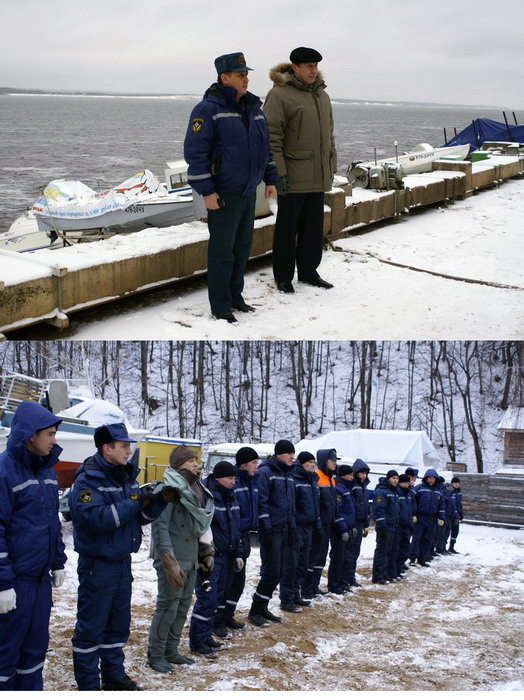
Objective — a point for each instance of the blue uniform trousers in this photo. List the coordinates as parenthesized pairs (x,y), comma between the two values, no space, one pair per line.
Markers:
(317,560)
(273,556)
(24,635)
(337,556)
(207,602)
(103,620)
(404,546)
(295,565)
(383,546)
(353,554)
(423,536)
(393,571)
(238,582)
(442,536)
(230,239)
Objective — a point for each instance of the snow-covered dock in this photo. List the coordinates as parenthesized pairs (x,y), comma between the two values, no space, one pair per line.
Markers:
(50,285)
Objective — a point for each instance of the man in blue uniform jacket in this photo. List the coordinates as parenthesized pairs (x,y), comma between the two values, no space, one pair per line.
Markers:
(227,150)
(108,510)
(31,548)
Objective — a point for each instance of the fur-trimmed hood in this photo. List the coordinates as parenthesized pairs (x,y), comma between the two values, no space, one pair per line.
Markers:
(282,73)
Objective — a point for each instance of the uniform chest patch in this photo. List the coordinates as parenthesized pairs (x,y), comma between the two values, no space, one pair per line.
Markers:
(379,499)
(197,124)
(133,496)
(86,496)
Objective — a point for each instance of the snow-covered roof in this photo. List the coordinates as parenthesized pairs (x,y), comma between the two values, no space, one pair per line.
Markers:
(513,419)
(406,447)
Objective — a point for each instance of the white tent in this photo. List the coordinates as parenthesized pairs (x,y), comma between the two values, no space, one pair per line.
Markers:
(401,447)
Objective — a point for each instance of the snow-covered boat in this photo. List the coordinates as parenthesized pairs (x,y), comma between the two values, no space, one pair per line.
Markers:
(140,202)
(388,172)
(24,236)
(72,400)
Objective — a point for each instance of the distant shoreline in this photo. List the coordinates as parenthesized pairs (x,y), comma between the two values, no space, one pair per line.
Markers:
(24,92)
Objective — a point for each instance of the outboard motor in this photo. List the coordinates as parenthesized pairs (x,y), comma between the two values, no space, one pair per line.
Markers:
(387,176)
(358,174)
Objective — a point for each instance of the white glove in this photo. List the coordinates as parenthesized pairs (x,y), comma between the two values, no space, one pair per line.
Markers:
(57,578)
(7,601)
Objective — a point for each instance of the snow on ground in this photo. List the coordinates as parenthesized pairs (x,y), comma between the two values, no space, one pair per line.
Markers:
(478,238)
(457,626)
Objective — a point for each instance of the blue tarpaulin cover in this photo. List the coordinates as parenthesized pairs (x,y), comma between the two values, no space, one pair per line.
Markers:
(481,130)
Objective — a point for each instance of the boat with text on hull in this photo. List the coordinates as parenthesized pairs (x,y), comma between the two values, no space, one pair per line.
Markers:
(387,173)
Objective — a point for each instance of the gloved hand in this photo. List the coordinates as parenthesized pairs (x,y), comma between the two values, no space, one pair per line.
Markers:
(57,578)
(456,521)
(414,519)
(265,538)
(238,564)
(282,185)
(365,532)
(354,532)
(344,536)
(174,574)
(7,600)
(440,523)
(206,560)
(158,491)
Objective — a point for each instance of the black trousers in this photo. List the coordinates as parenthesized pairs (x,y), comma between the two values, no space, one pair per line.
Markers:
(298,236)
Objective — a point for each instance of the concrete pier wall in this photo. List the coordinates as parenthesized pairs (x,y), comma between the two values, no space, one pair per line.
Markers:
(52,292)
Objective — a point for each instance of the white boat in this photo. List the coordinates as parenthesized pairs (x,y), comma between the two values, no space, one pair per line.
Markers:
(24,236)
(140,202)
(72,400)
(390,171)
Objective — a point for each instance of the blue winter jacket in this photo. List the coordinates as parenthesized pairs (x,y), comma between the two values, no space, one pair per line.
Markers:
(456,495)
(450,511)
(307,497)
(326,483)
(30,533)
(227,144)
(106,510)
(405,502)
(386,510)
(360,495)
(429,498)
(226,519)
(246,491)
(276,495)
(345,518)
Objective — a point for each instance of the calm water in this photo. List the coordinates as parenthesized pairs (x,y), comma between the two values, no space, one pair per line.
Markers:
(103,140)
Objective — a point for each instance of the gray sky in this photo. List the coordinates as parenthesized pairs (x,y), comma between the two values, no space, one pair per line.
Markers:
(449,51)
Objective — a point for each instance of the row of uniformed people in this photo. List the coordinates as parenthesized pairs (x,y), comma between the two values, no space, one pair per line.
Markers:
(413,521)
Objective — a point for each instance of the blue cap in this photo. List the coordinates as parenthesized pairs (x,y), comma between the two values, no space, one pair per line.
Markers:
(231,61)
(111,433)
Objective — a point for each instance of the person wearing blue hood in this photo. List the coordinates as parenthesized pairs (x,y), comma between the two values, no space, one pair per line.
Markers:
(276,527)
(327,467)
(108,509)
(360,495)
(32,554)
(344,532)
(386,516)
(227,150)
(430,514)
